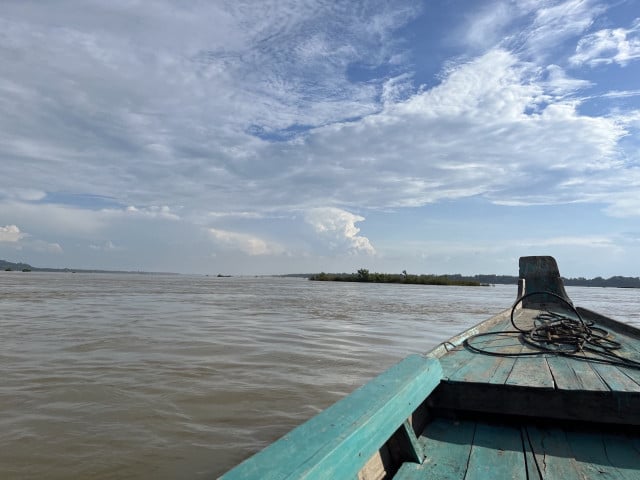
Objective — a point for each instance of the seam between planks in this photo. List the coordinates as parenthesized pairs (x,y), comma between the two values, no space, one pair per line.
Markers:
(473,439)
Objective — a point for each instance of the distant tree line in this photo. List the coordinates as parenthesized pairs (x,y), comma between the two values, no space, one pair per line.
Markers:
(10,266)
(363,275)
(613,282)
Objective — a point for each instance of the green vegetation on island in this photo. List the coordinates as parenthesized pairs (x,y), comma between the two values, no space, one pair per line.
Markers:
(363,275)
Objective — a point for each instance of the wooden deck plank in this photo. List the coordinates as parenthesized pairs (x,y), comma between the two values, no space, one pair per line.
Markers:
(563,375)
(553,454)
(629,347)
(533,473)
(456,341)
(453,360)
(468,450)
(497,453)
(616,379)
(531,372)
(632,373)
(479,368)
(447,445)
(622,455)
(587,376)
(575,374)
(591,456)
(461,358)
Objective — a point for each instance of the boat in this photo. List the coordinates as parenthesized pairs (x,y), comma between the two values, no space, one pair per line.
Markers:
(542,390)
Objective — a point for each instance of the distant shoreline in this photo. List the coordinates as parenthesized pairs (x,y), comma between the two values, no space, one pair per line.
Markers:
(25,267)
(365,276)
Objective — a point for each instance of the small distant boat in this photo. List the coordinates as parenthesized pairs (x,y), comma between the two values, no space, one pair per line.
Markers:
(543,390)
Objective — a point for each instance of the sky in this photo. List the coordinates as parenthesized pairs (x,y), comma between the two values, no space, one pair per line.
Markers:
(272,137)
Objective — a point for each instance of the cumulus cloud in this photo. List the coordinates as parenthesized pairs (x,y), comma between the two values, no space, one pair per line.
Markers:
(246,243)
(617,45)
(339,227)
(493,127)
(11,234)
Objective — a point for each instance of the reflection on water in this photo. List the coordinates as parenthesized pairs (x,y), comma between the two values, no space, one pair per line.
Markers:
(139,376)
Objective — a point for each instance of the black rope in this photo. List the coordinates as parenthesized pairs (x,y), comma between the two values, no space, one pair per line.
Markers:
(559,334)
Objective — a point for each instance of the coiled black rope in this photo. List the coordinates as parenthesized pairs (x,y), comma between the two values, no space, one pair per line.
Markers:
(559,334)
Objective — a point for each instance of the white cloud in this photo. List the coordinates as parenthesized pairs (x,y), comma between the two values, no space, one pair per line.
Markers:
(152,211)
(249,244)
(558,21)
(593,241)
(624,204)
(618,45)
(11,234)
(559,83)
(45,247)
(493,127)
(107,246)
(339,227)
(233,214)
(56,219)
(24,194)
(531,27)
(485,29)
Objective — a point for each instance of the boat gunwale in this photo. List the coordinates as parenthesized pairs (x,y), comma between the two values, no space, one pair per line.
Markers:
(456,341)
(445,347)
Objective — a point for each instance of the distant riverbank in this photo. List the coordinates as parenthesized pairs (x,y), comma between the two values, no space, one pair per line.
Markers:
(363,275)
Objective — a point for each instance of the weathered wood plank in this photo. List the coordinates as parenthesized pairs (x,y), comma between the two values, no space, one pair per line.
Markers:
(623,456)
(497,452)
(464,365)
(447,444)
(533,473)
(552,452)
(338,442)
(615,379)
(575,374)
(478,369)
(527,451)
(591,456)
(456,341)
(531,372)
(563,375)
(588,378)
(632,373)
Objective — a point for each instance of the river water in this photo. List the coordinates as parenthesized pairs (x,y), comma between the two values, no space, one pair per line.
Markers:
(131,376)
